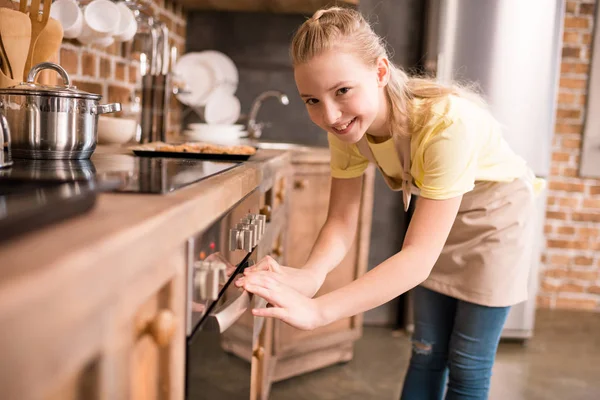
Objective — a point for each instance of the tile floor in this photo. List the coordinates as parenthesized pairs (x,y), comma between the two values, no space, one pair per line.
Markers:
(561,361)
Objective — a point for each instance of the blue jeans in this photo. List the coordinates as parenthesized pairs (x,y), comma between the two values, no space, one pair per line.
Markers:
(453,340)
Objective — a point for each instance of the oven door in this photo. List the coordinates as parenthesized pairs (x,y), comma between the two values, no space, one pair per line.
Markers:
(219,352)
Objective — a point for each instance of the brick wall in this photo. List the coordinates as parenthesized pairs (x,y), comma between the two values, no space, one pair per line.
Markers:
(571,277)
(113,71)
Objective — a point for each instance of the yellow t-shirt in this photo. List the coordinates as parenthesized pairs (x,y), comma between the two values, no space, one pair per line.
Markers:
(461,144)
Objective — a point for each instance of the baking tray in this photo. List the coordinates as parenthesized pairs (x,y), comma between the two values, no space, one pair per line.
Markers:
(199,156)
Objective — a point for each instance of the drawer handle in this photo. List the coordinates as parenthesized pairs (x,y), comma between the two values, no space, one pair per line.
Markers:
(277,251)
(300,184)
(162,327)
(266,211)
(259,353)
(280,196)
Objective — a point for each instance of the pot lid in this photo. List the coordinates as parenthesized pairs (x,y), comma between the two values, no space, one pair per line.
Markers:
(32,88)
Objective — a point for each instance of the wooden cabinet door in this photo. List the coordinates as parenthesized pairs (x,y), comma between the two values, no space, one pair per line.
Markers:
(308,211)
(297,351)
(148,350)
(152,351)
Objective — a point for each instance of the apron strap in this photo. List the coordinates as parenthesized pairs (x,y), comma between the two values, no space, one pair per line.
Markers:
(403,150)
(365,149)
(402,146)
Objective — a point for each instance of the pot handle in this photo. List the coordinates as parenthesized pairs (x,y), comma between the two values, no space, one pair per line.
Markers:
(5,157)
(36,69)
(106,108)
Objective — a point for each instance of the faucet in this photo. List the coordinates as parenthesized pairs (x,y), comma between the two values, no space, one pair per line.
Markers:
(255,128)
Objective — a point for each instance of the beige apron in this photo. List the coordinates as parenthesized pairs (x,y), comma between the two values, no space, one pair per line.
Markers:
(488,253)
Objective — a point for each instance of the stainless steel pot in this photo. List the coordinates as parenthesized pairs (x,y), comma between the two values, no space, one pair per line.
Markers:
(52,122)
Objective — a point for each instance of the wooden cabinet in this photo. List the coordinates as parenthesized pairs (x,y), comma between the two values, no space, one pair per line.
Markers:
(274,6)
(119,334)
(300,351)
(152,332)
(285,351)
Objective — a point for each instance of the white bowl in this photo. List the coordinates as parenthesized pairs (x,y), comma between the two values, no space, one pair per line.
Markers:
(113,130)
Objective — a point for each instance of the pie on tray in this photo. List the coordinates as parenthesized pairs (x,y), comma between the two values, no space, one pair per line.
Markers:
(199,147)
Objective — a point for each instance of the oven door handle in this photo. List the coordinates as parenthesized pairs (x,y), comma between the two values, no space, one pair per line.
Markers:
(223,317)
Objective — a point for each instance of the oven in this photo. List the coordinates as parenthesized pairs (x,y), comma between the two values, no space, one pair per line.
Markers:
(222,334)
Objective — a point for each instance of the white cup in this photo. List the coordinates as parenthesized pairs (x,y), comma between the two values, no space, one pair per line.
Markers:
(127,24)
(100,19)
(100,42)
(68,13)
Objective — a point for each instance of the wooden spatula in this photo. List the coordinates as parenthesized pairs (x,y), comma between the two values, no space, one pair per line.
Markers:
(46,49)
(15,30)
(38,23)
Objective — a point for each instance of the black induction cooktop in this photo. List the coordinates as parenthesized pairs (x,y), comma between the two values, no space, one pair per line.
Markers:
(137,174)
(35,193)
(25,206)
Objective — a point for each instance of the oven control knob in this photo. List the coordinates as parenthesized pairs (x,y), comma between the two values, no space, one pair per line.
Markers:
(261,221)
(255,228)
(248,237)
(220,271)
(234,239)
(201,270)
(240,238)
(212,285)
(207,279)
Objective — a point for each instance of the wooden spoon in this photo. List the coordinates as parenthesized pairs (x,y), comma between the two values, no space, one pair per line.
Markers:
(15,30)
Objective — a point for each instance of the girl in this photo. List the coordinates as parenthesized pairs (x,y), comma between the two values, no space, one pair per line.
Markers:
(466,247)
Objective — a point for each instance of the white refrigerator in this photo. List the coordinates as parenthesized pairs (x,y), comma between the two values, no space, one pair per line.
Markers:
(512,50)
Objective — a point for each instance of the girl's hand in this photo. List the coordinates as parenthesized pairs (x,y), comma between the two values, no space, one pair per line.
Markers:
(286,303)
(304,281)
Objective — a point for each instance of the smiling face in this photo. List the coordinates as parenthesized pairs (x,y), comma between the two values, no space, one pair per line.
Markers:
(343,95)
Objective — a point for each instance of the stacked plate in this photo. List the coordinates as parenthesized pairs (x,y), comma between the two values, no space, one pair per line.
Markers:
(228,134)
(210,79)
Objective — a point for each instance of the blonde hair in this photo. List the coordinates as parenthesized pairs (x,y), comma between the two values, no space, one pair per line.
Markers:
(337,27)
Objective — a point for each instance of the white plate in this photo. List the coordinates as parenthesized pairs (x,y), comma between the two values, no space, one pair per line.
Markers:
(222,107)
(200,77)
(212,127)
(215,136)
(229,73)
